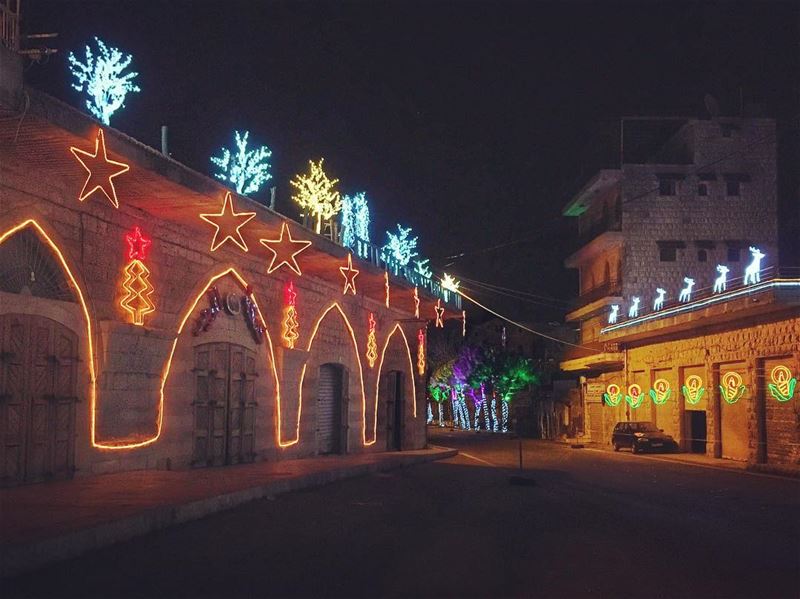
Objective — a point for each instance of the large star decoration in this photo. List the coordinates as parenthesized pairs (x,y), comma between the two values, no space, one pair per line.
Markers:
(284,250)
(349,273)
(137,244)
(230,222)
(439,314)
(101,170)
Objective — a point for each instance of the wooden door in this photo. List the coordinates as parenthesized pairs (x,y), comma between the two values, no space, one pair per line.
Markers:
(224,405)
(38,381)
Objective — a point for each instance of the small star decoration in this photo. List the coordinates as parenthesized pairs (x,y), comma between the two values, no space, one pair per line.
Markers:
(284,250)
(137,244)
(439,314)
(349,273)
(101,170)
(229,222)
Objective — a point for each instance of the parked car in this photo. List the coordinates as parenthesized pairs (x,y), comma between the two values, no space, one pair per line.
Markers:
(641,436)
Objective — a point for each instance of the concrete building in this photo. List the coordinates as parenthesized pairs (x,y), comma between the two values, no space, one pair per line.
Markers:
(137,333)
(702,198)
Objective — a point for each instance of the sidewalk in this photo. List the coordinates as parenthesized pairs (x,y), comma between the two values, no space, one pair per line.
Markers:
(47,522)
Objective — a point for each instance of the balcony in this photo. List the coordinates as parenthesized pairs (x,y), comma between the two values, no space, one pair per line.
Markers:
(595,300)
(594,356)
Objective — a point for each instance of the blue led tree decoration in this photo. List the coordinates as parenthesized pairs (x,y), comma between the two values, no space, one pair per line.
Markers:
(102,78)
(355,219)
(401,246)
(247,170)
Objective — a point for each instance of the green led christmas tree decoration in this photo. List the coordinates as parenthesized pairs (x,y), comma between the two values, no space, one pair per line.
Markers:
(102,78)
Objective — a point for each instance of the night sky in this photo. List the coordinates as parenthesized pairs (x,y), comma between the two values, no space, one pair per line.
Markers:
(464,120)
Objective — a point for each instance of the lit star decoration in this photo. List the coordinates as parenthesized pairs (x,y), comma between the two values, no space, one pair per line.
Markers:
(731,387)
(290,324)
(416,302)
(372,342)
(284,250)
(693,389)
(316,193)
(248,170)
(439,314)
(101,77)
(229,222)
(660,392)
(386,285)
(136,286)
(349,273)
(421,352)
(783,383)
(101,170)
(137,244)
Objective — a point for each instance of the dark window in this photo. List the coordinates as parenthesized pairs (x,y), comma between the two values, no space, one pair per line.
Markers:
(702,189)
(668,253)
(732,187)
(667,187)
(702,256)
(733,254)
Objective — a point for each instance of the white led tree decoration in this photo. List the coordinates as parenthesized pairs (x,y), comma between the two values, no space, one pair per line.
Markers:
(401,247)
(247,170)
(355,219)
(101,77)
(721,282)
(450,284)
(317,194)
(422,268)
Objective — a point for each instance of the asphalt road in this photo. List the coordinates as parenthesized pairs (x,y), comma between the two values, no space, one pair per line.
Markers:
(595,524)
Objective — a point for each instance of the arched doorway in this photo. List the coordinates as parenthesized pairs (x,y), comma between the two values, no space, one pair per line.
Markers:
(224,404)
(331,409)
(395,389)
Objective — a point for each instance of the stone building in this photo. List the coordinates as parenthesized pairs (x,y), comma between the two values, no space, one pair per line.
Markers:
(691,211)
(150,319)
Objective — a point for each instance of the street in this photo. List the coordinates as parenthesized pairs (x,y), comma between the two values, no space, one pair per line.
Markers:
(595,524)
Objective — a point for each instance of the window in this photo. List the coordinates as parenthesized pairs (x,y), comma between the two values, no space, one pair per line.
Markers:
(733,254)
(702,256)
(667,187)
(732,187)
(702,189)
(668,253)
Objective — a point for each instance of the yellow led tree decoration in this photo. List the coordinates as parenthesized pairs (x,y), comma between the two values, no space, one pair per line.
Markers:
(136,286)
(290,325)
(372,342)
(316,194)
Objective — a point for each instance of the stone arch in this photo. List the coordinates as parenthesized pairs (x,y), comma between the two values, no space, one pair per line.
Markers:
(198,293)
(78,286)
(314,360)
(397,364)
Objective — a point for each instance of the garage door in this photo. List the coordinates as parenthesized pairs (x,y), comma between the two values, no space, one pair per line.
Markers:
(329,409)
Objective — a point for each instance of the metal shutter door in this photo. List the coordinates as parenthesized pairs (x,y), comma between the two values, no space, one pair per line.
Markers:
(327,404)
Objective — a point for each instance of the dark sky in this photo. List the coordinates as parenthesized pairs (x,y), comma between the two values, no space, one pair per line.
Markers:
(465,120)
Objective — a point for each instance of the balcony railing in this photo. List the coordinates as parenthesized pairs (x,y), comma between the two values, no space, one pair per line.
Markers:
(607,289)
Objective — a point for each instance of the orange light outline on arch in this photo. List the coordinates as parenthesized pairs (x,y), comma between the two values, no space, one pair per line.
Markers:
(90,343)
(243,282)
(284,444)
(396,328)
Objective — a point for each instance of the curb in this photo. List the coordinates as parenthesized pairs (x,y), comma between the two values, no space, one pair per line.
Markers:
(18,558)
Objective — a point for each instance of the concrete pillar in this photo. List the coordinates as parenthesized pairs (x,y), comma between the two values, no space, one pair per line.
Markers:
(713,421)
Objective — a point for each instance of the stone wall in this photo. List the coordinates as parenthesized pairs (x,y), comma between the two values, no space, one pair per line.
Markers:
(756,428)
(131,361)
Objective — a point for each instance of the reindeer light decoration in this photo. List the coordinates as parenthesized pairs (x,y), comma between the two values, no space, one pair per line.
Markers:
(686,292)
(752,274)
(612,316)
(659,301)
(721,282)
(633,311)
